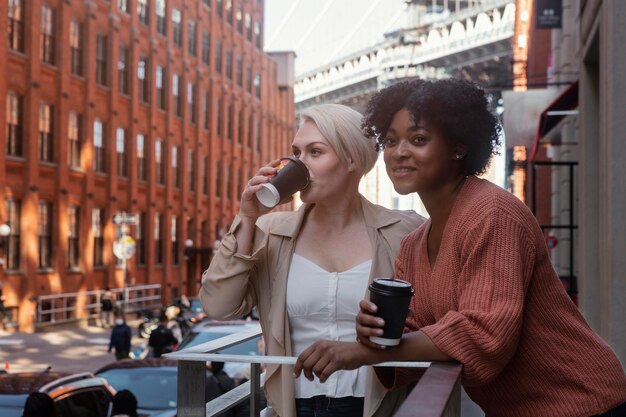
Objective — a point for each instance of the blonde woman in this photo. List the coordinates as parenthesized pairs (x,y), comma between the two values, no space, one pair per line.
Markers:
(306,271)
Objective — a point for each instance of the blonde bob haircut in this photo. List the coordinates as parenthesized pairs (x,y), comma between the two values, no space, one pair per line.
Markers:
(341,127)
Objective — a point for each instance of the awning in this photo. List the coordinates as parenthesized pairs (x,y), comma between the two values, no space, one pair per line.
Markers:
(564,105)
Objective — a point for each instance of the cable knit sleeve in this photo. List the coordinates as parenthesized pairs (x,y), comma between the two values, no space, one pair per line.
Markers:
(494,258)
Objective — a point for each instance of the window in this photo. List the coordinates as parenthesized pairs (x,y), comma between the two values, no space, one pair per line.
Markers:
(99,156)
(160,14)
(240,19)
(142,76)
(160,85)
(177,20)
(228,182)
(250,131)
(191,101)
(191,37)
(220,8)
(12,248)
(258,135)
(123,85)
(240,128)
(97,229)
(218,56)
(158,157)
(47,35)
(207,2)
(229,64)
(206,47)
(122,5)
(120,148)
(218,110)
(230,122)
(257,34)
(73,247)
(239,71)
(45,133)
(14,124)
(190,175)
(248,78)
(174,237)
(229,12)
(158,240)
(16,25)
(175,174)
(205,179)
(176,87)
(218,178)
(143,11)
(74,138)
(257,85)
(76,47)
(141,158)
(44,234)
(101,59)
(206,109)
(248,27)
(140,240)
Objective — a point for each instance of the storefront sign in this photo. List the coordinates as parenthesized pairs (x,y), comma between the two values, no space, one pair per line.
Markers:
(548,13)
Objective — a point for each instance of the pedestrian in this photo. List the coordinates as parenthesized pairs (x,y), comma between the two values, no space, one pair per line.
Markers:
(39,404)
(121,336)
(486,293)
(161,339)
(287,263)
(2,308)
(124,404)
(106,308)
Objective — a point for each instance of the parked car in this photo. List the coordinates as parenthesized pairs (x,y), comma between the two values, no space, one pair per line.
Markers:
(153,381)
(78,395)
(195,313)
(208,330)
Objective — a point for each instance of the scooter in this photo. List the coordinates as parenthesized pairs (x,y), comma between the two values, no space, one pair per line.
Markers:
(148,324)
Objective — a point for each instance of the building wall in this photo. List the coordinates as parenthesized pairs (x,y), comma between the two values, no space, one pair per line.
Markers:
(602,150)
(261,127)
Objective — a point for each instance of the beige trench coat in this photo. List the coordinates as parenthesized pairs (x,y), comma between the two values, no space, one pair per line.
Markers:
(234,283)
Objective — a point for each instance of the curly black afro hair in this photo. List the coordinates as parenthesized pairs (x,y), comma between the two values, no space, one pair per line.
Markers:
(458,109)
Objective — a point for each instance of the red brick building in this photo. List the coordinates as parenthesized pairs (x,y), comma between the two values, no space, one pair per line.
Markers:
(161,108)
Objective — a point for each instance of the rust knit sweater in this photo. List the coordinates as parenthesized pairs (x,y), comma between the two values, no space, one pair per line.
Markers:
(493,301)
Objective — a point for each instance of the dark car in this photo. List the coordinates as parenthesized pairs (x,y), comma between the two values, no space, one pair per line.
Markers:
(78,395)
(153,381)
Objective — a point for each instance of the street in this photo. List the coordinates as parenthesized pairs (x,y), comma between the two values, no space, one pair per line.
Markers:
(71,350)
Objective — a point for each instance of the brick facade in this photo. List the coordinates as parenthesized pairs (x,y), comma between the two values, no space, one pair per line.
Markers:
(244,130)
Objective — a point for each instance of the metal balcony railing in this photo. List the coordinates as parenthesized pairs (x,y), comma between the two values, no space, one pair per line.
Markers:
(68,307)
(437,394)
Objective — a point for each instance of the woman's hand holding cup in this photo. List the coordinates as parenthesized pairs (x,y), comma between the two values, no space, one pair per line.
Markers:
(367,324)
(250,208)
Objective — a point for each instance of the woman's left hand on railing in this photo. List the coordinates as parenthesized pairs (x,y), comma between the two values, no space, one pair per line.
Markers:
(325,357)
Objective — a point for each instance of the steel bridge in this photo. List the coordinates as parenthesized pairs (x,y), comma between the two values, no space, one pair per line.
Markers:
(474,42)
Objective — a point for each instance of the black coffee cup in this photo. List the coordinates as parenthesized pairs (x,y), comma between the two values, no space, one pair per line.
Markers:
(292,177)
(392,297)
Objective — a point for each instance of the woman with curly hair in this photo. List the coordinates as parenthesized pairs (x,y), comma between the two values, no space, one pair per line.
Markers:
(486,294)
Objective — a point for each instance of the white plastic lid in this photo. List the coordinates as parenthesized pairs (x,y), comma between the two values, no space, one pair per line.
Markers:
(268,195)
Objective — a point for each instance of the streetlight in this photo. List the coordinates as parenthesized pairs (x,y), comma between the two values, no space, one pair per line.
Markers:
(5,230)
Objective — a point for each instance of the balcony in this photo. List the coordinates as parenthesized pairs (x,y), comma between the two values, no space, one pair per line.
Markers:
(437,394)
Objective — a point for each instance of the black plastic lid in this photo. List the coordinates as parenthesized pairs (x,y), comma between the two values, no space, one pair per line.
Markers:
(390,285)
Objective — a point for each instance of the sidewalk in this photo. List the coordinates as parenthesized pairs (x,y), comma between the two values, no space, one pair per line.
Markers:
(77,349)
